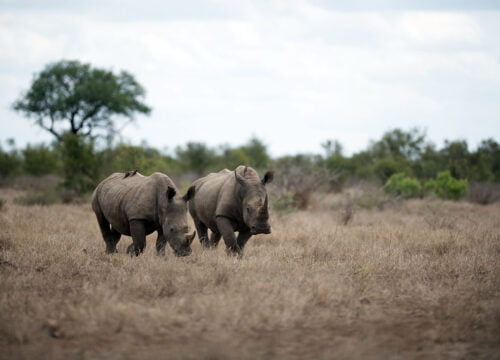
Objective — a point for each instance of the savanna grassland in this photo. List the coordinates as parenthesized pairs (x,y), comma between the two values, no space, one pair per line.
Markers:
(418,279)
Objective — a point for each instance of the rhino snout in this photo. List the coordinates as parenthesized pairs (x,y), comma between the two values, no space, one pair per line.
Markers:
(260,230)
(183,252)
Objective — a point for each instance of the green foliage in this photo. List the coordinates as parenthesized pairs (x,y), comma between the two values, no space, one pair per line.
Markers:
(401,185)
(458,157)
(10,163)
(40,160)
(387,167)
(399,144)
(232,158)
(196,156)
(71,97)
(81,170)
(146,159)
(447,187)
(285,204)
(256,152)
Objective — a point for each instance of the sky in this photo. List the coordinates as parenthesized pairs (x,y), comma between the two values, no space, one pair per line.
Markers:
(292,73)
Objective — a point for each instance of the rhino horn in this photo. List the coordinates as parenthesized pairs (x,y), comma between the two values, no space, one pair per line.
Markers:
(190,238)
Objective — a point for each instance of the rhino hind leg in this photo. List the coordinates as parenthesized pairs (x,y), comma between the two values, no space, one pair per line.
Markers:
(138,232)
(214,239)
(110,235)
(202,230)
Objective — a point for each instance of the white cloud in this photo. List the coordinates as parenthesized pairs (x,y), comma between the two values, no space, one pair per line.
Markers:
(292,73)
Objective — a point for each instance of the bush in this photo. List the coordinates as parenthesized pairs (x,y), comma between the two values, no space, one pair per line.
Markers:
(484,193)
(37,197)
(285,204)
(371,197)
(401,185)
(447,187)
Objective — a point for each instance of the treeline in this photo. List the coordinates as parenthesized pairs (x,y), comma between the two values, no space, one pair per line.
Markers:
(397,151)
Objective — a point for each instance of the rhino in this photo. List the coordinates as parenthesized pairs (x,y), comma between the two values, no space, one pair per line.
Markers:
(136,205)
(230,201)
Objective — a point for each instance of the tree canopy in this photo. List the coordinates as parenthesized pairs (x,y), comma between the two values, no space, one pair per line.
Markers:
(72,97)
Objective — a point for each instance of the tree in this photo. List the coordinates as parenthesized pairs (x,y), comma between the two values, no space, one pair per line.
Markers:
(71,97)
(400,144)
(77,103)
(196,157)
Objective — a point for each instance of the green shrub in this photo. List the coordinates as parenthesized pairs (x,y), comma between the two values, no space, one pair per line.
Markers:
(401,185)
(447,187)
(285,204)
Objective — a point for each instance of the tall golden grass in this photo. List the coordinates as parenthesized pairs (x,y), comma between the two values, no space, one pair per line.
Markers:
(419,279)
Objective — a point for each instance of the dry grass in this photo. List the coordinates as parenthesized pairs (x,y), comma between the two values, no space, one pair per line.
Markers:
(392,284)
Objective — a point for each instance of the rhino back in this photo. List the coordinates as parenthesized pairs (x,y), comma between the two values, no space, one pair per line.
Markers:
(215,196)
(121,199)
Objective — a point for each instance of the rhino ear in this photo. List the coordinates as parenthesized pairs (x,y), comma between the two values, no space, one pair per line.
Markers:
(268,177)
(171,193)
(189,195)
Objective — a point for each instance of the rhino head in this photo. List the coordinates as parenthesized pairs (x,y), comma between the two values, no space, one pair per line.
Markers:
(255,202)
(174,224)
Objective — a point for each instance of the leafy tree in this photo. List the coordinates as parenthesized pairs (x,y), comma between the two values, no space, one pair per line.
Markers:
(76,103)
(81,170)
(68,96)
(10,161)
(196,156)
(147,160)
(447,187)
(231,158)
(486,161)
(40,160)
(401,185)
(400,144)
(256,151)
(458,155)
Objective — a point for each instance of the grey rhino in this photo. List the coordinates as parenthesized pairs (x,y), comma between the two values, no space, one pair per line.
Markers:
(230,201)
(136,205)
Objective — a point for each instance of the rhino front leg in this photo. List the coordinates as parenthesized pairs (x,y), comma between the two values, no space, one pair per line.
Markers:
(243,237)
(138,232)
(226,230)
(160,243)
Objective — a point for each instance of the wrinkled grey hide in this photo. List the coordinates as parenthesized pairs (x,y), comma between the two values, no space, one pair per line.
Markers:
(230,201)
(136,205)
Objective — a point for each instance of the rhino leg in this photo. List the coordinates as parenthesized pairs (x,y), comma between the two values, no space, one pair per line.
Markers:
(243,237)
(110,235)
(226,230)
(138,232)
(214,238)
(201,228)
(160,243)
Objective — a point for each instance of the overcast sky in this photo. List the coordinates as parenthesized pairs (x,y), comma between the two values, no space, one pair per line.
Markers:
(292,73)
